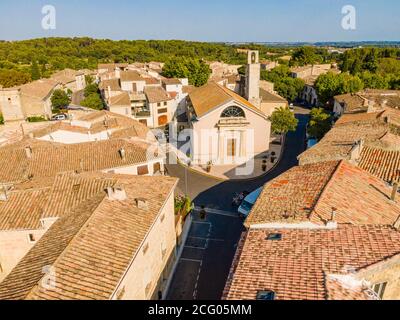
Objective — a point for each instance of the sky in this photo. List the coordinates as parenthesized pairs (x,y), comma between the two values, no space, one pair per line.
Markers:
(203,20)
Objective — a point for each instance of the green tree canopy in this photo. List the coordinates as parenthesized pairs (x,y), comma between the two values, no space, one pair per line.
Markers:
(91,89)
(285,85)
(374,80)
(35,71)
(89,79)
(11,78)
(320,123)
(60,99)
(283,120)
(195,70)
(93,101)
(307,55)
(330,84)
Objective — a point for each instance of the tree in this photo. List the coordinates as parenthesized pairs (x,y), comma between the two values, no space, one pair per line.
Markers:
(329,85)
(93,102)
(306,55)
(35,71)
(320,123)
(374,81)
(283,121)
(11,78)
(285,85)
(60,99)
(91,89)
(89,79)
(195,70)
(290,88)
(1,119)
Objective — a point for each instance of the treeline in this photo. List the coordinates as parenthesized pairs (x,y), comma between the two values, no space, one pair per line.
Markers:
(42,57)
(378,68)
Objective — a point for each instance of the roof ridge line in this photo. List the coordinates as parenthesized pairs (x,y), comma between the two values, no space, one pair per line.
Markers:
(72,238)
(325,189)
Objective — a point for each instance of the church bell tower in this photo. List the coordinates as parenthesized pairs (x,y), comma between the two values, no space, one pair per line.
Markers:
(252,90)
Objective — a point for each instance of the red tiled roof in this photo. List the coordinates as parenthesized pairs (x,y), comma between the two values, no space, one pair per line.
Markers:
(384,164)
(295,267)
(310,193)
(88,248)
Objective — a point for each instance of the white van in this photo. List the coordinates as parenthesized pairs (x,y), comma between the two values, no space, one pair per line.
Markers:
(248,203)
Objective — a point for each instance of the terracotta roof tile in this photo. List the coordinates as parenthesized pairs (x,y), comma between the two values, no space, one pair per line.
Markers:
(295,267)
(340,140)
(384,164)
(49,159)
(156,94)
(88,248)
(212,95)
(309,193)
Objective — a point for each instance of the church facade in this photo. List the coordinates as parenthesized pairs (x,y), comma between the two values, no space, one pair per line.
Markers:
(227,128)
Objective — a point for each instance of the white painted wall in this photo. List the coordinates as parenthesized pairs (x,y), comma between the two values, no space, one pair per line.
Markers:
(14,245)
(248,146)
(147,268)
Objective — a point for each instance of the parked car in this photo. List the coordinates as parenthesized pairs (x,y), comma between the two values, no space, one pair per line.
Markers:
(248,203)
(291,107)
(59,117)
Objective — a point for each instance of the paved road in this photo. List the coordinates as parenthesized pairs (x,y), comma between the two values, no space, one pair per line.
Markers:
(209,251)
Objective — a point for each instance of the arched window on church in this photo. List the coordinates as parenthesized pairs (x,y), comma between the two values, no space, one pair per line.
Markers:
(233,112)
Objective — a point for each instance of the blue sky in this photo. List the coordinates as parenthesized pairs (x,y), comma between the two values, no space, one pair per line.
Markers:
(203,20)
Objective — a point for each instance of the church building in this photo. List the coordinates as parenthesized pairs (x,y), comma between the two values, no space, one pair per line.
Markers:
(226,127)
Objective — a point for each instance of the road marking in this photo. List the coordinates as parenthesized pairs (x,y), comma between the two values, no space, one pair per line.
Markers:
(219,212)
(200,248)
(201,222)
(200,238)
(191,260)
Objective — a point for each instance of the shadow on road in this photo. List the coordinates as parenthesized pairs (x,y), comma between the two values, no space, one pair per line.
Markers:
(214,262)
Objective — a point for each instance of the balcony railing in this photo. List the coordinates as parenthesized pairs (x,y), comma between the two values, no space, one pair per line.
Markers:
(143,113)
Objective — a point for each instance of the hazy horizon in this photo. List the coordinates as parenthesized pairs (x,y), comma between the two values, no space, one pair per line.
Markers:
(286,21)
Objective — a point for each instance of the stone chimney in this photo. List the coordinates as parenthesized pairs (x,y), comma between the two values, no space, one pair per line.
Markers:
(355,152)
(116,193)
(141,203)
(122,154)
(371,106)
(394,191)
(28,152)
(3,194)
(396,225)
(332,224)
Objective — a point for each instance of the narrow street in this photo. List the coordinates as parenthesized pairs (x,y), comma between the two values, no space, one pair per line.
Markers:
(208,254)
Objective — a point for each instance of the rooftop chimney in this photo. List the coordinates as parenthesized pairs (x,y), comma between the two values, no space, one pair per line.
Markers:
(3,194)
(394,191)
(122,153)
(333,216)
(116,193)
(355,152)
(332,224)
(28,151)
(141,203)
(396,225)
